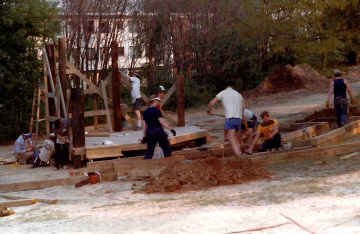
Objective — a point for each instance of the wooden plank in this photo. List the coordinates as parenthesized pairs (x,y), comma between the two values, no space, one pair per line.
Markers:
(108,177)
(108,118)
(32,185)
(171,121)
(168,94)
(306,154)
(350,156)
(17,197)
(106,151)
(106,166)
(25,202)
(100,134)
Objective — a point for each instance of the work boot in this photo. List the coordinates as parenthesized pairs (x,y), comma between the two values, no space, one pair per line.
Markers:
(65,167)
(137,128)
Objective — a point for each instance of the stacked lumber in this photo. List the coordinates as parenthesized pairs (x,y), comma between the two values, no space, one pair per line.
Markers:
(333,137)
(104,151)
(302,134)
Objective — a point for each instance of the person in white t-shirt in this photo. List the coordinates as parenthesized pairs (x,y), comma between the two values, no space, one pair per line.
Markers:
(42,157)
(234,108)
(136,97)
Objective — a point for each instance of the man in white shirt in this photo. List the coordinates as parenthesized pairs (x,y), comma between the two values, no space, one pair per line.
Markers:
(136,97)
(234,106)
(24,148)
(48,149)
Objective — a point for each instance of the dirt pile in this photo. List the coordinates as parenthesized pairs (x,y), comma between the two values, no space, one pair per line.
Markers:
(326,113)
(288,78)
(204,173)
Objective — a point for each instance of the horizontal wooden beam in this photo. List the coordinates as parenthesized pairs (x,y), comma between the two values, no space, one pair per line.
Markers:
(17,197)
(32,185)
(25,202)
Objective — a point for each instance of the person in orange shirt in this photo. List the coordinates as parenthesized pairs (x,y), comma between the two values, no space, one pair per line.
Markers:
(270,130)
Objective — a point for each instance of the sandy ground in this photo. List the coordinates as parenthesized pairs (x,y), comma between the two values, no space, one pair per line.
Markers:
(300,197)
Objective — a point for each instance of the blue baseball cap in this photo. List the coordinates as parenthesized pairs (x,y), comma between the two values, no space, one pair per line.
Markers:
(336,72)
(28,135)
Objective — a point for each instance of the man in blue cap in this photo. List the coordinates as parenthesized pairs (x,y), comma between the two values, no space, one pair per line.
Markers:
(338,87)
(24,148)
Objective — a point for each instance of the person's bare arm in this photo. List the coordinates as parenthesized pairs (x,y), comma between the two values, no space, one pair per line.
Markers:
(254,142)
(331,91)
(349,90)
(211,104)
(243,117)
(276,130)
(144,128)
(165,125)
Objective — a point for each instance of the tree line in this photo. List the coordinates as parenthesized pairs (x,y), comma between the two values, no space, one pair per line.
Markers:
(206,41)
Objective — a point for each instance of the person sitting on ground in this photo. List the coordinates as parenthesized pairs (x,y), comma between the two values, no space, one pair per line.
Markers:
(338,87)
(24,148)
(62,130)
(42,157)
(153,129)
(269,128)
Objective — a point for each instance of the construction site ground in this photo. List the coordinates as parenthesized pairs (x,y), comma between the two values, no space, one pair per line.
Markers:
(299,198)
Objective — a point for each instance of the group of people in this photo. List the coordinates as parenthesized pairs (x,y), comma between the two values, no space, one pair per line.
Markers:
(240,121)
(58,144)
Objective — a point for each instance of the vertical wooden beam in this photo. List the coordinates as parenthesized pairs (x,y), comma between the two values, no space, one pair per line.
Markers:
(33,108)
(108,118)
(77,117)
(50,50)
(62,70)
(115,88)
(180,101)
(46,89)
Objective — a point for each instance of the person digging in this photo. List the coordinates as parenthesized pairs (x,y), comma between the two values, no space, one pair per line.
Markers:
(234,106)
(269,128)
(338,87)
(153,129)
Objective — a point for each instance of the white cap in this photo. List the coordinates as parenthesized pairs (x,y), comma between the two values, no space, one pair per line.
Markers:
(162,88)
(52,135)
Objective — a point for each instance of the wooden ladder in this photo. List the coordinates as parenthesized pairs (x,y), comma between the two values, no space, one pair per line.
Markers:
(35,118)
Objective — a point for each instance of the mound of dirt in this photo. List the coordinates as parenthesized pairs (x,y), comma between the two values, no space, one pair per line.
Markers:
(204,173)
(326,113)
(288,78)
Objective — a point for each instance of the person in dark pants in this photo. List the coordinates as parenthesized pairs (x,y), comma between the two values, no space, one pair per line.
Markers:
(62,130)
(338,87)
(269,128)
(153,128)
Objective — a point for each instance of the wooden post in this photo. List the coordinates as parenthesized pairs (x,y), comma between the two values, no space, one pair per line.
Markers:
(180,101)
(115,88)
(62,70)
(78,127)
(50,50)
(77,118)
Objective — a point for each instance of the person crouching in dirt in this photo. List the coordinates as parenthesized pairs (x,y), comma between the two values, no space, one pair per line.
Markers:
(41,158)
(339,86)
(270,130)
(153,129)
(24,148)
(248,126)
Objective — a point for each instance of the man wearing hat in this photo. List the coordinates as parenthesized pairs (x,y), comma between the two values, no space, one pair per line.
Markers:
(161,94)
(42,157)
(136,97)
(153,129)
(24,148)
(338,87)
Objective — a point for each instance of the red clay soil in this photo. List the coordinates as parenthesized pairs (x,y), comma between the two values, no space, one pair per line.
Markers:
(205,173)
(288,78)
(326,113)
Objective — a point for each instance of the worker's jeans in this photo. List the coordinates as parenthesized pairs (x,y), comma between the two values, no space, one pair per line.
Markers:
(341,113)
(275,142)
(154,136)
(61,155)
(23,158)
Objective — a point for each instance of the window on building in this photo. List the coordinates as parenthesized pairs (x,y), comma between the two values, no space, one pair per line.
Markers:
(135,52)
(134,26)
(121,51)
(104,53)
(104,26)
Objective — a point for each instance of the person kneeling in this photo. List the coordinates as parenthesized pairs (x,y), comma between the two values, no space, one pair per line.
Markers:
(41,158)
(270,130)
(153,124)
